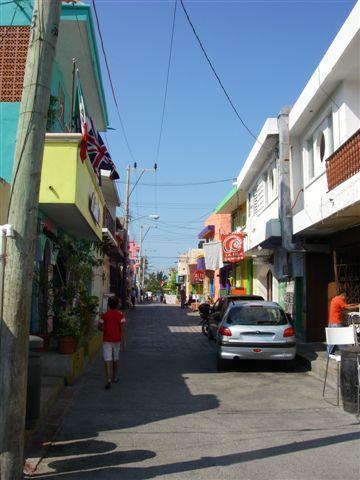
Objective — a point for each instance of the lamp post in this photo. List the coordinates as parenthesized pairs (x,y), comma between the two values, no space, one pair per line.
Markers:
(128,193)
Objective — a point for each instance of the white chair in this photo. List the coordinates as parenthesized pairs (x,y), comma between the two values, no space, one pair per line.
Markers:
(338,336)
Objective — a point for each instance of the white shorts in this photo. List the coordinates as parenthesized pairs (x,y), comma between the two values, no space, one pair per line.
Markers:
(111,351)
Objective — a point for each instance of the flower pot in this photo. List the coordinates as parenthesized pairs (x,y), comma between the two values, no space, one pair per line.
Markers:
(67,345)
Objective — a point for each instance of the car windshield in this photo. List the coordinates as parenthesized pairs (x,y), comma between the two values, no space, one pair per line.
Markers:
(256,315)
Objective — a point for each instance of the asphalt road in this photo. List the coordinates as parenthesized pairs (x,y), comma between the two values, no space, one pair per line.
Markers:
(173,416)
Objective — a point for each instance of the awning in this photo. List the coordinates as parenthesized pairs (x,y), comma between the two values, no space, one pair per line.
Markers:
(207,232)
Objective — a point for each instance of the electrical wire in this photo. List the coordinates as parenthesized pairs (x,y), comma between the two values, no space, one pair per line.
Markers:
(217,76)
(166,83)
(111,83)
(189,184)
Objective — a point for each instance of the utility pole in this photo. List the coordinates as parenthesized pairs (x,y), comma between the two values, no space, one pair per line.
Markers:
(126,226)
(140,259)
(128,193)
(23,216)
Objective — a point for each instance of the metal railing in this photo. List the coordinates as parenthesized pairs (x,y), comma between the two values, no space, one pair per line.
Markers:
(344,162)
(109,222)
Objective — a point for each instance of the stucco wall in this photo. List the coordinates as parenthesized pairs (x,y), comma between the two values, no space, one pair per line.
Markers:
(221,222)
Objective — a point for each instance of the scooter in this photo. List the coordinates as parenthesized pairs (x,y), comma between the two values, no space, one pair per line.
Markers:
(204,310)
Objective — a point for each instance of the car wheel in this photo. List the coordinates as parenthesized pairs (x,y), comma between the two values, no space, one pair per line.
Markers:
(205,328)
(221,364)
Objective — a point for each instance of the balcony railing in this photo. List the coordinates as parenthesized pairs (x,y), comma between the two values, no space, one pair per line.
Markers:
(344,162)
(109,222)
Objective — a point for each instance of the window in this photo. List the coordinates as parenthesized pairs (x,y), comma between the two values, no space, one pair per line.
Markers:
(318,147)
(310,158)
(322,146)
(256,315)
(251,203)
(271,182)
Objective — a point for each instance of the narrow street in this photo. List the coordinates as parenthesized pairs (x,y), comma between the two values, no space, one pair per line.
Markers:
(173,416)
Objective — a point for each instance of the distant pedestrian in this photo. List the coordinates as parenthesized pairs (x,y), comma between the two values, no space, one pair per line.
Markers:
(111,324)
(133,295)
(182,297)
(338,308)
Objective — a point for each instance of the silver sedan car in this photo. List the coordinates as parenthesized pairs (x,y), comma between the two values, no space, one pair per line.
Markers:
(255,330)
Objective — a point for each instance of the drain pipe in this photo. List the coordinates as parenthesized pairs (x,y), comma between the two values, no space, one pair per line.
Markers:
(6,231)
(285,212)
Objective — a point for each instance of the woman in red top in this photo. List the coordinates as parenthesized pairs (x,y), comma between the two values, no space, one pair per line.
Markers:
(111,324)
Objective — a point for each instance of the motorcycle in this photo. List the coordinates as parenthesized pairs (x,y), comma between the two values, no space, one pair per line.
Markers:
(205,311)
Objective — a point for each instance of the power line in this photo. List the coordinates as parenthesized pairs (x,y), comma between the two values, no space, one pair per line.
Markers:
(217,76)
(189,184)
(111,83)
(167,82)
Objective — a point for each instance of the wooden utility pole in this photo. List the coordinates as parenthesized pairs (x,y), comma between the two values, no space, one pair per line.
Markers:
(140,260)
(126,228)
(23,216)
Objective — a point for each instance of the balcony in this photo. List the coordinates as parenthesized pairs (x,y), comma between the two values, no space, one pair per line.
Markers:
(344,162)
(109,227)
(69,193)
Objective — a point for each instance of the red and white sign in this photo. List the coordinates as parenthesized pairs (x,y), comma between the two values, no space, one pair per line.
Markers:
(233,247)
(199,276)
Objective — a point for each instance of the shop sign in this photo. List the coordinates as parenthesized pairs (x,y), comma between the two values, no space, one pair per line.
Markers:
(199,276)
(233,247)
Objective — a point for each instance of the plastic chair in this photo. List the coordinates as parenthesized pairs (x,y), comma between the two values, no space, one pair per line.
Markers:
(338,336)
(354,320)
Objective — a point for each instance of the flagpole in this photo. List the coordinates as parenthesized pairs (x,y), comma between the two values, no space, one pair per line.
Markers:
(72,94)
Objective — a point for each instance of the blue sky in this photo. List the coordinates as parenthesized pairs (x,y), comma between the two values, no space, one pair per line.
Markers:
(264,52)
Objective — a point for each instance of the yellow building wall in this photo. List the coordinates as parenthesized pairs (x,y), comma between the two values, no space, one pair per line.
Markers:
(85,182)
(240,275)
(58,171)
(65,179)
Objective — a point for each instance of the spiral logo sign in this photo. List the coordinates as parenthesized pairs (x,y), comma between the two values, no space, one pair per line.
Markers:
(233,247)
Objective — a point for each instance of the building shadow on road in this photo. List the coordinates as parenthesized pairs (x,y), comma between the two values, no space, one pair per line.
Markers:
(153,387)
(79,469)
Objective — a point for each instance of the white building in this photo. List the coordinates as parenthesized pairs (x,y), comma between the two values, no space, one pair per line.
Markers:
(324,128)
(258,183)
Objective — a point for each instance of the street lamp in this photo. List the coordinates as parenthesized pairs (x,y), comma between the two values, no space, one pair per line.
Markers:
(152,216)
(128,193)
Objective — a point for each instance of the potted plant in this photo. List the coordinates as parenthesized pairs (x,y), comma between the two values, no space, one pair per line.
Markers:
(68,331)
(88,306)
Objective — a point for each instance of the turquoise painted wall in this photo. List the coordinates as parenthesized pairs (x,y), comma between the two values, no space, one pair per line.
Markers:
(57,81)
(9,113)
(17,13)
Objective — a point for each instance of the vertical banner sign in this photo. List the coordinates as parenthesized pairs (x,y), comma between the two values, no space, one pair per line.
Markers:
(233,247)
(199,276)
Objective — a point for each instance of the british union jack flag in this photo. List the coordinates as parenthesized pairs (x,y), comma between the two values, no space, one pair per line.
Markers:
(98,153)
